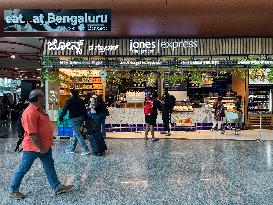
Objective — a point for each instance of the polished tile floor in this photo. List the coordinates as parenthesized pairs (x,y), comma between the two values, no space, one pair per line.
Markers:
(134,171)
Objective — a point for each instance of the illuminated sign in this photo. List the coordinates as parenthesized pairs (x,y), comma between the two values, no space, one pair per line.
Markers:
(143,62)
(32,20)
(77,46)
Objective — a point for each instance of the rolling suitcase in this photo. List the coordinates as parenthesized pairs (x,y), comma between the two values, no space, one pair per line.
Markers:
(96,140)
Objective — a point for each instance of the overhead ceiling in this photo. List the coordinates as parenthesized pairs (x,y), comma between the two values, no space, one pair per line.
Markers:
(181,18)
(26,51)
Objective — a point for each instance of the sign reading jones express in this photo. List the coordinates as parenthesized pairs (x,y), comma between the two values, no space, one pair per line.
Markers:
(32,20)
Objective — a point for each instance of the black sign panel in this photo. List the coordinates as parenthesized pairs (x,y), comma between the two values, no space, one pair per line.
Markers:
(57,20)
(157,47)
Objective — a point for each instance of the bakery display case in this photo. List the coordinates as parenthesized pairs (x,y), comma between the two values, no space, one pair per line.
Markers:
(229,102)
(183,106)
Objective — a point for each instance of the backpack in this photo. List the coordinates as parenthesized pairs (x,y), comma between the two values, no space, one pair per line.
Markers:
(172,101)
(21,132)
(148,107)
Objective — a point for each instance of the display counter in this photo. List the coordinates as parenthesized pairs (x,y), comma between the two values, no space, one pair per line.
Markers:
(132,105)
(136,116)
(133,119)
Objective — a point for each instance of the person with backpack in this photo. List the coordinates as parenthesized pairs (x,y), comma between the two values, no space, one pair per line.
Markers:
(21,106)
(37,143)
(168,102)
(151,105)
(77,113)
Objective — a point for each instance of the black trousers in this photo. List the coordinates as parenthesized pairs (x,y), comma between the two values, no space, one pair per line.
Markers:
(166,117)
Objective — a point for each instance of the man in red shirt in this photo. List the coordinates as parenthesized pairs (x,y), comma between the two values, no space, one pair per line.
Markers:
(37,143)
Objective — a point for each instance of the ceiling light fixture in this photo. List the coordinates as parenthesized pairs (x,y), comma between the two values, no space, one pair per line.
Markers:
(16,68)
(26,77)
(38,69)
(12,56)
(38,77)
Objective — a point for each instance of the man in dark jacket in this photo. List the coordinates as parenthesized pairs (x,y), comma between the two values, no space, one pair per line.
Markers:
(77,113)
(168,103)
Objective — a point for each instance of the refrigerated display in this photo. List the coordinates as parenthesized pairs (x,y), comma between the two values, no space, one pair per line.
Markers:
(259,100)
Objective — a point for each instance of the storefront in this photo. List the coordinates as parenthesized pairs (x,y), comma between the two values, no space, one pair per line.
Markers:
(195,71)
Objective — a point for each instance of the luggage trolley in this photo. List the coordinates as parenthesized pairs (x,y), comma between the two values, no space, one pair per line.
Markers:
(231,118)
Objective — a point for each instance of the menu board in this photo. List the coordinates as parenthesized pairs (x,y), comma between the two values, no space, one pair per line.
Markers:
(181,86)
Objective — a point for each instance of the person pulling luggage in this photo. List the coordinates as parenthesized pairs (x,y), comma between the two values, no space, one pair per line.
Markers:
(77,113)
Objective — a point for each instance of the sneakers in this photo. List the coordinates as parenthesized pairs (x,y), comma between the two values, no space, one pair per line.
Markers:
(163,132)
(100,154)
(17,195)
(146,138)
(69,152)
(64,189)
(85,153)
(168,134)
(154,139)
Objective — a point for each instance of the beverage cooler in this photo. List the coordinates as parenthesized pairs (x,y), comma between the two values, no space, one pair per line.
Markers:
(260,101)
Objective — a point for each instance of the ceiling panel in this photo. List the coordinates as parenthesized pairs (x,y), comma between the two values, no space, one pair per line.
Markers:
(181,18)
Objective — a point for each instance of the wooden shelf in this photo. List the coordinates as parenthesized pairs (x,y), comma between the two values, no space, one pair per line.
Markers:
(254,120)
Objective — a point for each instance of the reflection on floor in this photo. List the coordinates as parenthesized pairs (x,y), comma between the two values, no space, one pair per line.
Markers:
(135,171)
(228,135)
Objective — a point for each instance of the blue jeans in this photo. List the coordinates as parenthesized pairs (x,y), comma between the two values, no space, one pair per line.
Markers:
(100,120)
(77,136)
(27,160)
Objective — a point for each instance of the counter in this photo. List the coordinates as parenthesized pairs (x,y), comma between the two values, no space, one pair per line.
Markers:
(136,116)
(133,119)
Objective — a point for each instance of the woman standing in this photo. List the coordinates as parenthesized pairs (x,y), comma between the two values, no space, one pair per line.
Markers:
(100,114)
(219,112)
(238,108)
(151,105)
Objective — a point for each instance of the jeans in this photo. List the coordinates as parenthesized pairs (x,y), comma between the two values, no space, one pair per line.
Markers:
(27,160)
(166,117)
(239,121)
(77,136)
(100,120)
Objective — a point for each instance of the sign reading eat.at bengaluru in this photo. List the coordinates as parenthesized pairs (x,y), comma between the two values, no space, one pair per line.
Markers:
(57,20)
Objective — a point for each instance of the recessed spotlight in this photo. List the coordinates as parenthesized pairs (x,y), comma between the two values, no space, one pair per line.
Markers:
(16,68)
(38,77)
(38,69)
(26,77)
(12,56)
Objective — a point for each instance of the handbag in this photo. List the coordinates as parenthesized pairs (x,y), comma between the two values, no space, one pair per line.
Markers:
(107,112)
(223,114)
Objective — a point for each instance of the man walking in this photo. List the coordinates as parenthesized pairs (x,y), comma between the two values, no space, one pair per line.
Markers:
(77,112)
(37,143)
(168,103)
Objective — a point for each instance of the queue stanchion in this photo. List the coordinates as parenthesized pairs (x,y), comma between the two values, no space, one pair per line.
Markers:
(260,137)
